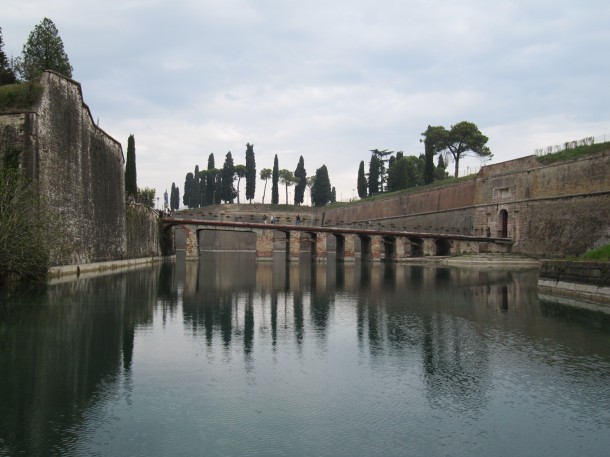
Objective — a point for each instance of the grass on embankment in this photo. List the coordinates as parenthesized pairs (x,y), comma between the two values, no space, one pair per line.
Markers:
(601,254)
(19,96)
(574,153)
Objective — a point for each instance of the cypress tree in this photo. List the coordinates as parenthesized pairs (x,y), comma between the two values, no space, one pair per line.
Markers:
(131,185)
(374,175)
(321,190)
(228,192)
(196,188)
(187,198)
(300,175)
(250,172)
(428,160)
(275,179)
(210,191)
(362,184)
(172,198)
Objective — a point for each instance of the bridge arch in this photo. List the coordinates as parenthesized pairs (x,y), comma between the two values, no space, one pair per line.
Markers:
(443,247)
(417,246)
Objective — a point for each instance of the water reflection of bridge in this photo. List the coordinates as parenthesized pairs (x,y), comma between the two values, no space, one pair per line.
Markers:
(374,244)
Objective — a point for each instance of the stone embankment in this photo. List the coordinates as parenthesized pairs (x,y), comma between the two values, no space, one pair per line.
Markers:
(583,280)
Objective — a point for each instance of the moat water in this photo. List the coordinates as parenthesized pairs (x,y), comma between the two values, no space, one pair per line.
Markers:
(230,357)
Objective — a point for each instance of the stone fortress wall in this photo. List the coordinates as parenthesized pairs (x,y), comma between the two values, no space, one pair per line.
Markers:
(560,209)
(79,169)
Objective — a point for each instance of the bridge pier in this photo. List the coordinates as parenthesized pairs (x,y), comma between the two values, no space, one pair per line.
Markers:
(318,245)
(264,243)
(399,248)
(345,249)
(376,247)
(293,248)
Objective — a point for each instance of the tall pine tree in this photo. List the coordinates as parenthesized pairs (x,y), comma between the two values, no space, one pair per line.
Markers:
(44,50)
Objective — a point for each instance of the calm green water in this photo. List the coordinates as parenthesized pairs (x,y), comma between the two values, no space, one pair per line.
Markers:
(228,357)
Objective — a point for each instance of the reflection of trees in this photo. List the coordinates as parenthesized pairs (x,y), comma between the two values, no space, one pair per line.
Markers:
(57,347)
(456,365)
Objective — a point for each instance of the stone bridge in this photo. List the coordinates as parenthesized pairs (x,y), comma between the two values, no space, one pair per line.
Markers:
(375,244)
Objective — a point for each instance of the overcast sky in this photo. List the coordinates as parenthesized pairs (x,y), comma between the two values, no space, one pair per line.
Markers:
(328,80)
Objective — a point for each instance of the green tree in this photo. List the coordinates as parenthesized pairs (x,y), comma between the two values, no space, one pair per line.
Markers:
(196,194)
(250,172)
(300,176)
(210,178)
(333,195)
(462,138)
(25,235)
(311,180)
(44,50)
(266,174)
(131,184)
(240,172)
(7,75)
(382,158)
(397,175)
(187,198)
(174,198)
(374,175)
(146,196)
(275,177)
(429,151)
(227,189)
(440,170)
(362,183)
(286,177)
(321,189)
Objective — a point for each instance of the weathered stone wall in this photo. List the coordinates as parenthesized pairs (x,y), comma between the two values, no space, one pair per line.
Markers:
(142,231)
(548,210)
(79,169)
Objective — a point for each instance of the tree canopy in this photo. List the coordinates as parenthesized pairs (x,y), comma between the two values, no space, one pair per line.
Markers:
(287,178)
(321,189)
(240,172)
(131,184)
(300,176)
(266,174)
(250,172)
(362,183)
(462,138)
(44,50)
(227,189)
(275,177)
(7,75)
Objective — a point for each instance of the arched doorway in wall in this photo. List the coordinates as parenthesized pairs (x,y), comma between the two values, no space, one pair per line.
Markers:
(503,224)
(417,247)
(443,247)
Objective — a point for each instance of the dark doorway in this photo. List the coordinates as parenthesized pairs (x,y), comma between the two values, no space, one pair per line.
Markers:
(503,224)
(443,247)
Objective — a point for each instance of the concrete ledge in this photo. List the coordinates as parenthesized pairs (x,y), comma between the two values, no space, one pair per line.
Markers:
(98,267)
(589,292)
